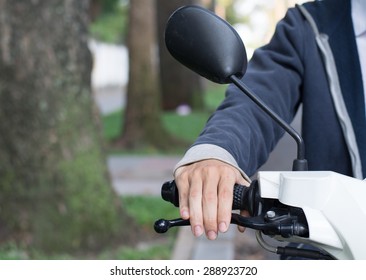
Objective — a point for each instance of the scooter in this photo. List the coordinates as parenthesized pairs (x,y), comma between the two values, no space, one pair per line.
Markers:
(324,209)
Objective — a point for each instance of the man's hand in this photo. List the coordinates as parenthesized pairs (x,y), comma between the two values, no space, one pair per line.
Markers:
(206,195)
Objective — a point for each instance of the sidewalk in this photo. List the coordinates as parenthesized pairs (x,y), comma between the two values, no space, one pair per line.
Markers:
(135,175)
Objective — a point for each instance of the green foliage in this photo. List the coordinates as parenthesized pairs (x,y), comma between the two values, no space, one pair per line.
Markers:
(11,251)
(111,25)
(109,6)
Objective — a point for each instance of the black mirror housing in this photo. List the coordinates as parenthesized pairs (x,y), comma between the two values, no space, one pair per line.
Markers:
(206,44)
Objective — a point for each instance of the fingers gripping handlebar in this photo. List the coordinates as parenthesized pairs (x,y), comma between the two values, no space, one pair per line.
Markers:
(244,198)
(267,215)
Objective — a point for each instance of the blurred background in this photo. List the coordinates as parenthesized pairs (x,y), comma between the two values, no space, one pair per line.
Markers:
(94,115)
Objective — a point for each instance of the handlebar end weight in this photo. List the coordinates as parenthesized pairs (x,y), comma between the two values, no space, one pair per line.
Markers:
(161,226)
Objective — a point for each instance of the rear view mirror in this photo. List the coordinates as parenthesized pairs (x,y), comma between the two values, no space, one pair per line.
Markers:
(206,44)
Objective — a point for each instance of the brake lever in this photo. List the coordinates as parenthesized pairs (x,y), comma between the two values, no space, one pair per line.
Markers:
(283,225)
(162,225)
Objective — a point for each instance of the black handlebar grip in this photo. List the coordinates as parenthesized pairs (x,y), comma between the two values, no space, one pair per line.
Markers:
(244,197)
(239,198)
(169,192)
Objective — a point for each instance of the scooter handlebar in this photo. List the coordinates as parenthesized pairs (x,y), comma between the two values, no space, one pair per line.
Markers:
(244,198)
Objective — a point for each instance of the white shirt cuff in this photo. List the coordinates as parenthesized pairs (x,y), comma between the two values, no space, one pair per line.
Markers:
(209,151)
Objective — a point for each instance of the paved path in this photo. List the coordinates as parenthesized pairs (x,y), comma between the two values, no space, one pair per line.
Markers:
(135,175)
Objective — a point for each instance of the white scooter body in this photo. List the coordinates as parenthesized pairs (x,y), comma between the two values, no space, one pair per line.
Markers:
(334,206)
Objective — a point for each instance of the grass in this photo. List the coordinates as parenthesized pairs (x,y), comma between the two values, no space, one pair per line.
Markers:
(146,210)
(185,127)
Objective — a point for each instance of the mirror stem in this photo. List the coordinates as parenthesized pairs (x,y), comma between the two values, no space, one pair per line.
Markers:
(300,163)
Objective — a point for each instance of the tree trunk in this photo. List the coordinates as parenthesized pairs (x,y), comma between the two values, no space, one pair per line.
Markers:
(54,187)
(142,125)
(180,86)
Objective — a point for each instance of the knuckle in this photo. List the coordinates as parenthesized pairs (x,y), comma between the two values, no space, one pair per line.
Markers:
(226,194)
(210,196)
(195,193)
